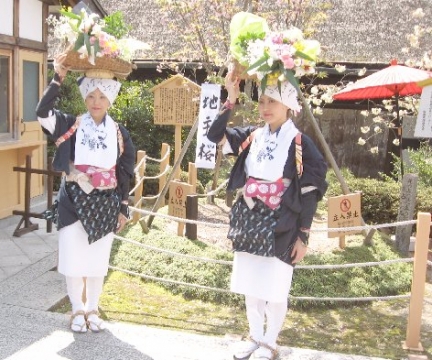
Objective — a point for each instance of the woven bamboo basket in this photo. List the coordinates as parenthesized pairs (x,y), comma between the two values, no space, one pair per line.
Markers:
(114,67)
(240,70)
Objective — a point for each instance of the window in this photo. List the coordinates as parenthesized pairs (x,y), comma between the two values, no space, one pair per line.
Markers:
(5,92)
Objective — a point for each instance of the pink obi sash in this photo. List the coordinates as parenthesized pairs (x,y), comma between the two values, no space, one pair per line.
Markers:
(269,192)
(99,178)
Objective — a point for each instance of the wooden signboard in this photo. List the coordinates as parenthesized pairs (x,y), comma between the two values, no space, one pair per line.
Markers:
(344,211)
(176,101)
(178,193)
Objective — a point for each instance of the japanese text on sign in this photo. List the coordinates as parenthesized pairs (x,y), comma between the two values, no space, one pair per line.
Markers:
(208,109)
(178,193)
(344,211)
(176,102)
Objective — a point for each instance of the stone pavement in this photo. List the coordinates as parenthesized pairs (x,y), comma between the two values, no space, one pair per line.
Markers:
(30,286)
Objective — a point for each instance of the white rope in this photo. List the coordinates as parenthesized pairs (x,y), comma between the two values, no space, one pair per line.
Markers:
(342,229)
(215,191)
(226,262)
(142,161)
(172,253)
(301,298)
(161,159)
(158,176)
(154,278)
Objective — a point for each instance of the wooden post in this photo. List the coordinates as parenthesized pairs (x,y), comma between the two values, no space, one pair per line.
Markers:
(412,341)
(177,150)
(163,165)
(342,243)
(191,214)
(139,190)
(216,173)
(177,164)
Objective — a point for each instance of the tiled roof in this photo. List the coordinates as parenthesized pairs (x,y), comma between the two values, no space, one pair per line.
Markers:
(366,31)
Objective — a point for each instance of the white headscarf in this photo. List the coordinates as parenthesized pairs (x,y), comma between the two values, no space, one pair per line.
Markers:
(287,95)
(109,87)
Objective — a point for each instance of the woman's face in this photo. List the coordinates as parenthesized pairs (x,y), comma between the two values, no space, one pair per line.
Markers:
(97,104)
(272,111)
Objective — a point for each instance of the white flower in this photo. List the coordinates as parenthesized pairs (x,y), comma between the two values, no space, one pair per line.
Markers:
(361,141)
(340,68)
(327,98)
(365,129)
(365,113)
(361,72)
(293,34)
(377,119)
(318,111)
(396,142)
(376,111)
(377,130)
(314,90)
(374,150)
(316,101)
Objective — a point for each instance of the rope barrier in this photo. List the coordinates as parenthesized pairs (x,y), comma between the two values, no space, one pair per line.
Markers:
(172,253)
(226,262)
(300,298)
(161,159)
(341,229)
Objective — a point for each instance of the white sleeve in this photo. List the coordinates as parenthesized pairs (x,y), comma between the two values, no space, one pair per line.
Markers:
(49,122)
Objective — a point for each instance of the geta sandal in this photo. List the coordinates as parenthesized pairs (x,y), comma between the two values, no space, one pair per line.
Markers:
(77,324)
(94,322)
(265,352)
(246,348)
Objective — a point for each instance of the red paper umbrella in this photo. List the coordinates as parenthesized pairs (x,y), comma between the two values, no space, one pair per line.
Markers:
(395,80)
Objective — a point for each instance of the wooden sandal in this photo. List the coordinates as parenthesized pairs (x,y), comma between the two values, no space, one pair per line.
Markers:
(246,348)
(272,356)
(96,324)
(78,327)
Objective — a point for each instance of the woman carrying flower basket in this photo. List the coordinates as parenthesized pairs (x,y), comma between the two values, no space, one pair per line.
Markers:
(97,158)
(279,176)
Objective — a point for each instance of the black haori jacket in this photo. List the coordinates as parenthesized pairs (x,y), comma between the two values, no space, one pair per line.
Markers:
(66,153)
(297,209)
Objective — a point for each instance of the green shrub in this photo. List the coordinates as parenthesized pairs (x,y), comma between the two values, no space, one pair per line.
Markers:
(383,280)
(158,264)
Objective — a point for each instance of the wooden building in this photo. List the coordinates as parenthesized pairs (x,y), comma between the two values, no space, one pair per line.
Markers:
(23,70)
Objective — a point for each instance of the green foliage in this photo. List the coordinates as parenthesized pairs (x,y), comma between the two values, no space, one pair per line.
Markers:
(384,280)
(154,263)
(115,25)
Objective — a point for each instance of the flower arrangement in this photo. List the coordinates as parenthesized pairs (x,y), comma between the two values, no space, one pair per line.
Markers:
(93,37)
(271,56)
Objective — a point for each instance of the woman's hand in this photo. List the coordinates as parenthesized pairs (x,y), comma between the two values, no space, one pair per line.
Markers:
(232,86)
(299,251)
(58,65)
(121,222)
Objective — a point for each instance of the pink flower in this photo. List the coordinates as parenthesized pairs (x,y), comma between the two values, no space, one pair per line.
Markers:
(276,38)
(287,61)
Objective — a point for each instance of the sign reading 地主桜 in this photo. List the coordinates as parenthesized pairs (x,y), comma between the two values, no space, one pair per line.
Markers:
(344,211)
(178,193)
(205,154)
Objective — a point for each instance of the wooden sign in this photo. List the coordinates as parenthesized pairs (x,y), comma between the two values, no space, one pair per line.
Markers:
(178,193)
(176,101)
(344,211)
